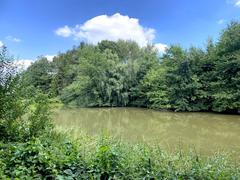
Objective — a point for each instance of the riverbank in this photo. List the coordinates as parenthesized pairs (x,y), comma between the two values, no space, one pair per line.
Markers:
(105,158)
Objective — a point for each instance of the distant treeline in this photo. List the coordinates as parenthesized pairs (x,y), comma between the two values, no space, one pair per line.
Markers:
(123,74)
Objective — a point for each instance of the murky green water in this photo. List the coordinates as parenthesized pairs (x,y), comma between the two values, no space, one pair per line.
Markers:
(206,132)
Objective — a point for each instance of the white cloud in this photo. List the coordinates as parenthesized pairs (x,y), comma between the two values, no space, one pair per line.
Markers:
(23,64)
(14,39)
(49,57)
(221,21)
(64,31)
(161,48)
(1,44)
(113,28)
(237,3)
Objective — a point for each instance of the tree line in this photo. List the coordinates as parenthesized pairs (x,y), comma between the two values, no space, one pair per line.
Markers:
(123,74)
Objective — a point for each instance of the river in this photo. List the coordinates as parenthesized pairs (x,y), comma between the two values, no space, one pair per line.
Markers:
(204,132)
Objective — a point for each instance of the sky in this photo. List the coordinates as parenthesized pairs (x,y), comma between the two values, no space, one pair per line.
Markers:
(32,28)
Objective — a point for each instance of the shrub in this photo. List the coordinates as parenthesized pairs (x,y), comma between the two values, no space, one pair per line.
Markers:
(56,157)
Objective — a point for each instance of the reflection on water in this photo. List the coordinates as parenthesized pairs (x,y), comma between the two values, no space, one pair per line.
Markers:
(206,132)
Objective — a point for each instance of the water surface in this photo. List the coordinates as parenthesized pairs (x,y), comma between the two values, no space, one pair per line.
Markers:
(205,132)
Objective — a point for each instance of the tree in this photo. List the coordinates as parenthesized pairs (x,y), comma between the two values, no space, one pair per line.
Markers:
(17,122)
(10,106)
(39,75)
(123,74)
(155,86)
(226,86)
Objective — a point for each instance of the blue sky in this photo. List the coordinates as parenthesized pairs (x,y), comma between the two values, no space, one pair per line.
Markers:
(30,28)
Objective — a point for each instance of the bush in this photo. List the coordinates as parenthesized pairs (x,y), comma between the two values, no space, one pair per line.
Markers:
(40,158)
(25,119)
(56,157)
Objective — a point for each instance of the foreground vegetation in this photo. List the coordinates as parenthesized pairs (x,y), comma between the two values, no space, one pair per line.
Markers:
(124,74)
(56,157)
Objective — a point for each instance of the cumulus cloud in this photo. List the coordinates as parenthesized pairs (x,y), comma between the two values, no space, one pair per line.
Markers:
(112,28)
(237,3)
(1,44)
(64,31)
(13,39)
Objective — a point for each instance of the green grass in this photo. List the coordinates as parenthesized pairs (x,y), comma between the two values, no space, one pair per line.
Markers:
(55,156)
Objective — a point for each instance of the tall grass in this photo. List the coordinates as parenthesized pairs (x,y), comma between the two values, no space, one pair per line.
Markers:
(54,156)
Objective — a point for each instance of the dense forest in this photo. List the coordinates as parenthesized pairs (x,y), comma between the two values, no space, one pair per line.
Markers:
(123,74)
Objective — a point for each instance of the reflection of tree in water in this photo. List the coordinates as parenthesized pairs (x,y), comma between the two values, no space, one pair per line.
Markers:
(206,131)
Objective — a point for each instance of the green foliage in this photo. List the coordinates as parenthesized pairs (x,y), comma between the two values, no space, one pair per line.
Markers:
(106,158)
(229,41)
(123,74)
(109,76)
(7,68)
(23,119)
(41,158)
(22,114)
(197,80)
(156,88)
(226,84)
(38,120)
(39,75)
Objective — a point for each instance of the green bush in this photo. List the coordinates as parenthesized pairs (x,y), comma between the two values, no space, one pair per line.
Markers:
(56,157)
(40,158)
(24,119)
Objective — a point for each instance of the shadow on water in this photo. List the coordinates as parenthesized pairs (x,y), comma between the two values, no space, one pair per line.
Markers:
(205,132)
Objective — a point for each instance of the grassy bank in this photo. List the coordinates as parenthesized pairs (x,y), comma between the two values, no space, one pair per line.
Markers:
(55,157)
